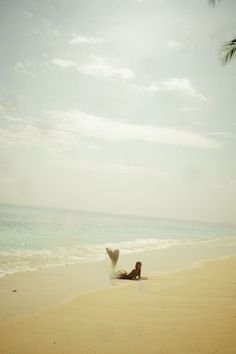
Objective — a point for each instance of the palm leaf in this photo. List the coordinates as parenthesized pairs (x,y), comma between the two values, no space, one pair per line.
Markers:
(213,2)
(228,51)
(229,48)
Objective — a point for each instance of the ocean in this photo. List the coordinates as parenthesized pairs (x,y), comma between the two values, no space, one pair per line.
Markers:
(34,238)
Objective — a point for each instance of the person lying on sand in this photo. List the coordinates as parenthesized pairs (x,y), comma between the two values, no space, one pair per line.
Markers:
(135,274)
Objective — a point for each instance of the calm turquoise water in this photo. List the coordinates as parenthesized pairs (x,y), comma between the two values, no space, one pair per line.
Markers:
(32,238)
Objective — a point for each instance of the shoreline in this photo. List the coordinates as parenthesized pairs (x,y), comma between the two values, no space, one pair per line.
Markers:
(19,263)
(38,291)
(190,310)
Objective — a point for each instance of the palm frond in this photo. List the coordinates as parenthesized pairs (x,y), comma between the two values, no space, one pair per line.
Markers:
(228,51)
(213,2)
(229,48)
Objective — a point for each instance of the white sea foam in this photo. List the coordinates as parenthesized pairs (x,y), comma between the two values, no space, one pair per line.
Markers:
(27,260)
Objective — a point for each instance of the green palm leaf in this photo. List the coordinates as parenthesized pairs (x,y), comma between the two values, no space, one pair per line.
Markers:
(229,48)
(228,51)
(213,2)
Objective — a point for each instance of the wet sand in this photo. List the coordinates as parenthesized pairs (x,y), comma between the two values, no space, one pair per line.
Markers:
(188,311)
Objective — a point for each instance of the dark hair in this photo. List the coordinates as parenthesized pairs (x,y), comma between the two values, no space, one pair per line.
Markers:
(138,264)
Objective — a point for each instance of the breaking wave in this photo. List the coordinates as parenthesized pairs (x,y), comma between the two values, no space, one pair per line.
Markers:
(28,260)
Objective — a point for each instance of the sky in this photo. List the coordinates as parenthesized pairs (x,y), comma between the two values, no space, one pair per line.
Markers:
(118,106)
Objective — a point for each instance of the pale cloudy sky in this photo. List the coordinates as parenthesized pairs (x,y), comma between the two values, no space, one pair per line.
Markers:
(118,105)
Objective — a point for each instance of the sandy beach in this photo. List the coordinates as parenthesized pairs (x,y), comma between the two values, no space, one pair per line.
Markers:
(187,311)
(117,177)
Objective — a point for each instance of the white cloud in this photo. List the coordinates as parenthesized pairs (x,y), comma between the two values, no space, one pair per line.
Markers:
(47,27)
(92,126)
(123,169)
(51,29)
(174,45)
(97,66)
(64,63)
(181,86)
(33,135)
(81,39)
(55,32)
(222,134)
(13,119)
(189,109)
(28,14)
(5,106)
(21,66)
(24,67)
(68,129)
